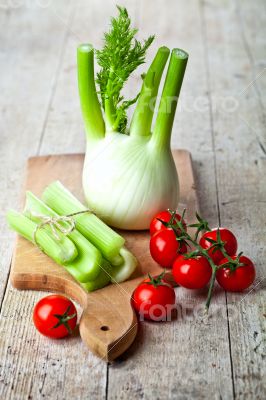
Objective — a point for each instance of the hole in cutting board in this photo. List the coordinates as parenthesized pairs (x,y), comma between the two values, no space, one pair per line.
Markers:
(105,328)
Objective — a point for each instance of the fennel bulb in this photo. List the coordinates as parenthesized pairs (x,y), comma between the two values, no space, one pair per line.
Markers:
(129,175)
(126,181)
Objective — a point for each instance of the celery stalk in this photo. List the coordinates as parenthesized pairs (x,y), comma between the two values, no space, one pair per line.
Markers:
(62,251)
(89,225)
(123,272)
(113,274)
(102,280)
(86,265)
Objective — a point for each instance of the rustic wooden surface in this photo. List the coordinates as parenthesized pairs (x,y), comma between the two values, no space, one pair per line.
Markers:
(221,120)
(109,307)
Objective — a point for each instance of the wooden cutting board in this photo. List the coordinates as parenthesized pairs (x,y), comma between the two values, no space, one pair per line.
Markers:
(108,324)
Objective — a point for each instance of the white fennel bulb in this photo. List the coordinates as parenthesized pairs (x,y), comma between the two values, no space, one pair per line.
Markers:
(126,182)
(129,174)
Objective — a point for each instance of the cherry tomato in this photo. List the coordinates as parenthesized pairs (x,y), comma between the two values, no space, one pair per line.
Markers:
(164,247)
(154,299)
(239,279)
(226,236)
(192,273)
(55,316)
(156,225)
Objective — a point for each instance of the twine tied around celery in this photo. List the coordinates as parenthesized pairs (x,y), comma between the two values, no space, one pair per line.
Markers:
(54,223)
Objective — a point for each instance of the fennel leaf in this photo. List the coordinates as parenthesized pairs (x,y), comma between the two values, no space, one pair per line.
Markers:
(121,54)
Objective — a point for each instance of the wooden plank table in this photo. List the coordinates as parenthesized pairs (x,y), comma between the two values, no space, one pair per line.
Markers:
(221,120)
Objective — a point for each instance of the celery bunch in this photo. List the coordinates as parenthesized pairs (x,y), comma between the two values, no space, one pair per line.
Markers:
(92,252)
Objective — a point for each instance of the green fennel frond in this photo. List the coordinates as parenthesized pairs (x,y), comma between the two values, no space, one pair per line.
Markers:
(121,54)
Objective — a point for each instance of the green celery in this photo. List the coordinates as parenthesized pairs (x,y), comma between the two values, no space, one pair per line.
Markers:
(123,272)
(62,251)
(87,264)
(89,225)
(113,274)
(102,280)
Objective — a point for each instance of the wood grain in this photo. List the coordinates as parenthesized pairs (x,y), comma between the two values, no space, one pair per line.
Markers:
(241,166)
(23,115)
(195,360)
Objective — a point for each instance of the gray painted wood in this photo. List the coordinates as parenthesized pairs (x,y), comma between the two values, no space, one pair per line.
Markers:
(239,142)
(188,358)
(29,63)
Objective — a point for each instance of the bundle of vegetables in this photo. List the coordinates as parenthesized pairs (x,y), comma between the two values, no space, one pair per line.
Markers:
(129,174)
(73,237)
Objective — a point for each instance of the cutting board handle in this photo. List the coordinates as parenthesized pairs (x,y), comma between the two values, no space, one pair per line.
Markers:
(108,324)
(108,330)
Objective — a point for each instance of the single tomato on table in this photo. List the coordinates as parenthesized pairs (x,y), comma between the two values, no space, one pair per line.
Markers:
(154,299)
(229,239)
(55,316)
(238,279)
(164,247)
(156,223)
(192,273)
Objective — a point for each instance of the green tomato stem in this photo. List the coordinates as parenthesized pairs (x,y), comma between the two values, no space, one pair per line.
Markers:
(209,297)
(205,254)
(226,255)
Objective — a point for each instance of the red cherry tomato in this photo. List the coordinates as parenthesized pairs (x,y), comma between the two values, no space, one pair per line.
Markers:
(164,247)
(55,316)
(226,236)
(154,301)
(192,273)
(156,225)
(239,279)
